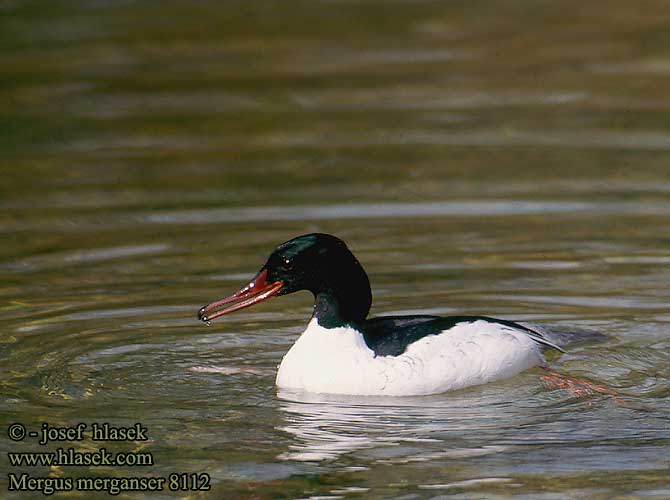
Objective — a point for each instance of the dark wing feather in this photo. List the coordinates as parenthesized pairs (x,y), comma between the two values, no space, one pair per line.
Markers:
(391,335)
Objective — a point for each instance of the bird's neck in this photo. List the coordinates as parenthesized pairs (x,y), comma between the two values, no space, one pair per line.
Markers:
(346,301)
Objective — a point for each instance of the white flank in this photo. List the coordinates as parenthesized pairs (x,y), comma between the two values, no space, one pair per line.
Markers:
(338,361)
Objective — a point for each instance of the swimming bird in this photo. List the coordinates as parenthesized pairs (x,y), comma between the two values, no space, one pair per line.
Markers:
(344,352)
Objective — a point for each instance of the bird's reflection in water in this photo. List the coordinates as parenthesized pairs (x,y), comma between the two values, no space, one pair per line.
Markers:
(407,429)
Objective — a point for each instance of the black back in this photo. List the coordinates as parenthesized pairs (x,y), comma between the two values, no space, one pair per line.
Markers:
(391,335)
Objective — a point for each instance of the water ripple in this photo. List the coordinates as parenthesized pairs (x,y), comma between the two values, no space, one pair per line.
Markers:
(394,210)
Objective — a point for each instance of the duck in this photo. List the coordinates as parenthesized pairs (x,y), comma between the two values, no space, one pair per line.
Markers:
(342,351)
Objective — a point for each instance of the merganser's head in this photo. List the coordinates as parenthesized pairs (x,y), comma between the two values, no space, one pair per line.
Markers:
(320,263)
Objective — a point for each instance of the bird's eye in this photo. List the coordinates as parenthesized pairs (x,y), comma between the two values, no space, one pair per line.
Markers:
(287,265)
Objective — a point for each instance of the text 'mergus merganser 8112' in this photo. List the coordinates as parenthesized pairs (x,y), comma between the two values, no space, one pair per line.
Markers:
(342,352)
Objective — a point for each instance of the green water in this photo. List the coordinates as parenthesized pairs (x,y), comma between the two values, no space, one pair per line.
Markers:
(501,158)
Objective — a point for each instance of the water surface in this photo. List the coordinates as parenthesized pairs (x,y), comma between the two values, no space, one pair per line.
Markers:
(508,159)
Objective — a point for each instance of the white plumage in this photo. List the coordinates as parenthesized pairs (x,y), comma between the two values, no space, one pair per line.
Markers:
(338,361)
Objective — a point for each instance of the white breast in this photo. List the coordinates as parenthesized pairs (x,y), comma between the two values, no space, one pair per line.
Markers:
(338,361)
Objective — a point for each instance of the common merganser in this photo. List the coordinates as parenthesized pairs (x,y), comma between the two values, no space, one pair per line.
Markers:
(342,352)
